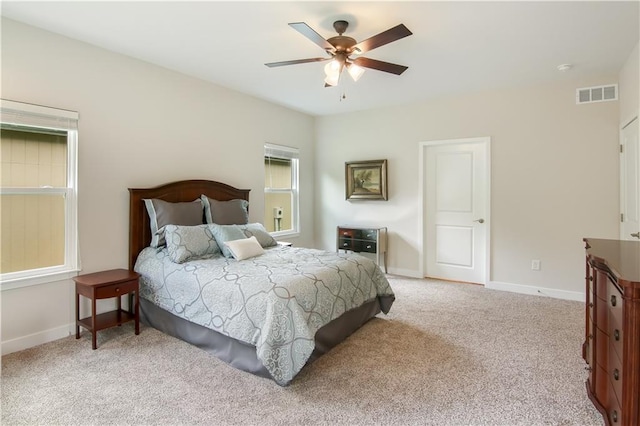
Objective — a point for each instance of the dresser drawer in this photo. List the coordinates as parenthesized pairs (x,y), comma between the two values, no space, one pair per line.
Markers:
(614,413)
(347,244)
(602,314)
(601,281)
(616,339)
(602,348)
(602,386)
(368,234)
(588,356)
(614,300)
(615,375)
(114,290)
(368,247)
(347,233)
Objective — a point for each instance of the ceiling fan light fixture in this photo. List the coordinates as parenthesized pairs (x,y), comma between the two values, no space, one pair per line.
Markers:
(332,79)
(332,67)
(355,71)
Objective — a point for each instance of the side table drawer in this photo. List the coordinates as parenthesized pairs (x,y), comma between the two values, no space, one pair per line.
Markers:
(114,290)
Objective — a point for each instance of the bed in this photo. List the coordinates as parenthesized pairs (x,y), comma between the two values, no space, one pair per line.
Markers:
(270,314)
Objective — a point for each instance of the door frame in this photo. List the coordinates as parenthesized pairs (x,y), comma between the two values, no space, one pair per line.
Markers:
(422,231)
(623,192)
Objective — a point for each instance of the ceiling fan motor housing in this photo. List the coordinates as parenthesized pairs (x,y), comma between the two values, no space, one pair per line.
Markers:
(340,26)
(343,43)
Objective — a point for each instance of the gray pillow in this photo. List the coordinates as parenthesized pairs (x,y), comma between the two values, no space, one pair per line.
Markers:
(224,233)
(232,212)
(262,235)
(162,213)
(186,243)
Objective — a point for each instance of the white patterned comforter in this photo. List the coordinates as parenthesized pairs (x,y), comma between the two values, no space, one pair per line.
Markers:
(276,301)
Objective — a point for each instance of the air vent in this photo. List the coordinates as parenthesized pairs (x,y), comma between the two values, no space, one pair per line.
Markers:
(588,95)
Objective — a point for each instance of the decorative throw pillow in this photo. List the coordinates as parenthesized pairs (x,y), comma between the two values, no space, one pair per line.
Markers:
(162,213)
(232,212)
(245,248)
(186,243)
(262,235)
(224,233)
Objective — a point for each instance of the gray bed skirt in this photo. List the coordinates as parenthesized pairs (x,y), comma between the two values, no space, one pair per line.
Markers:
(242,355)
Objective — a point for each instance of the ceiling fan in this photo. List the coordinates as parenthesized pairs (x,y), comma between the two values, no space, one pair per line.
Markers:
(340,49)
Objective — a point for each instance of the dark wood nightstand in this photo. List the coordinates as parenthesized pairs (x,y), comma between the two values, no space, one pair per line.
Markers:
(105,285)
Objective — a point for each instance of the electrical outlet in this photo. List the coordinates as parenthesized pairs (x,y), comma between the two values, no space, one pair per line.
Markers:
(535,264)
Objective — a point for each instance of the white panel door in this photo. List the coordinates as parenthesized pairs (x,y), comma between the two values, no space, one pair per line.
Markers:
(456,208)
(630,182)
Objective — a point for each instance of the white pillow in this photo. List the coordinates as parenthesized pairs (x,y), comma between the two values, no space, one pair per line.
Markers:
(244,248)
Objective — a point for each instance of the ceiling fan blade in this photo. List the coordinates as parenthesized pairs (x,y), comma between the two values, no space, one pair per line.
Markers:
(380,65)
(309,33)
(296,61)
(385,37)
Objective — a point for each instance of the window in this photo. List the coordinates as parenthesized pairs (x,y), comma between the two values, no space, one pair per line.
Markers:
(38,192)
(281,190)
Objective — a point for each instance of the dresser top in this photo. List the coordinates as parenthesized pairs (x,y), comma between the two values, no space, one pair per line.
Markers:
(621,257)
(361,227)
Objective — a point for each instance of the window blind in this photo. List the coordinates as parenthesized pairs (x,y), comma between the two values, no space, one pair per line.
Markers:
(279,151)
(21,116)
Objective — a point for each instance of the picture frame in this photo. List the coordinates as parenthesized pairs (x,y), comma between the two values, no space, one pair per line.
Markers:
(366,180)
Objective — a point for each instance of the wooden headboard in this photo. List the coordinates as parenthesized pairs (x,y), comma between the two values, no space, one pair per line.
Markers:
(186,190)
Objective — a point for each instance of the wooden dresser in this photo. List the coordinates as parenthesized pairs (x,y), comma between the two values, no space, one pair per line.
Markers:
(612,338)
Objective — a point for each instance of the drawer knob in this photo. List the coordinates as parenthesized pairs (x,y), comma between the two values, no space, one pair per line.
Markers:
(590,278)
(345,244)
(369,246)
(614,416)
(616,334)
(614,301)
(591,305)
(616,374)
(117,289)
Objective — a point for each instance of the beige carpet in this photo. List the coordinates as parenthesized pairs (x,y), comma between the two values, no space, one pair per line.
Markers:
(448,354)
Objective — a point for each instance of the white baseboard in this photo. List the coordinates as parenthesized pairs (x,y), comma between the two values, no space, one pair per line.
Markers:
(538,291)
(31,340)
(404,272)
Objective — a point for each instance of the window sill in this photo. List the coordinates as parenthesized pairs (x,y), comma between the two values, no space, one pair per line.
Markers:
(44,278)
(285,234)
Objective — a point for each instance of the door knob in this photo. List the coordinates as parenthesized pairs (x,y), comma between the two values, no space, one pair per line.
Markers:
(479,220)
(636,235)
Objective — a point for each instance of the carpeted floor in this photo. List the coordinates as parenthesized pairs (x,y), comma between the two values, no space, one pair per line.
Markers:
(447,354)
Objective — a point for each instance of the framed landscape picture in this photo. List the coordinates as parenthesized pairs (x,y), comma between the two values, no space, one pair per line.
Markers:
(366,180)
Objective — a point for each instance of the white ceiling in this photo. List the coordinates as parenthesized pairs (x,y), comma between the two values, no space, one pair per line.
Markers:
(455,47)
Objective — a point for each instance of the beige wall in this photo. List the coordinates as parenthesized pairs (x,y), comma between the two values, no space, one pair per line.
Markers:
(629,87)
(554,177)
(140,125)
